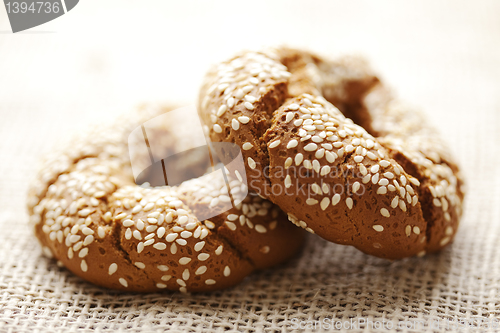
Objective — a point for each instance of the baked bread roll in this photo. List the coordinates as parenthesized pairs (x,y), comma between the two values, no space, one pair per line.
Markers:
(327,142)
(88,213)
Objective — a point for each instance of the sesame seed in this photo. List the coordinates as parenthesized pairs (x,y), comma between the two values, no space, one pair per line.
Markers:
(274,144)
(140,265)
(203,256)
(209,282)
(402,205)
(349,203)
(416,230)
(436,202)
(201,270)
(184,260)
(171,237)
(247,146)
(83,266)
(181,282)
(88,240)
(219,249)
(149,206)
(289,117)
(251,163)
(288,162)
(260,228)
(311,201)
(149,242)
(288,181)
(375,168)
(355,187)
(230,102)
(162,268)
(444,241)
(235,124)
(161,285)
(244,119)
(123,282)
(199,246)
(222,110)
(181,242)
(395,202)
(335,199)
(298,159)
(415,181)
(217,128)
(385,212)
(449,231)
(382,190)
(292,144)
(325,203)
(383,182)
(389,175)
(128,223)
(231,225)
(166,277)
(408,230)
(185,274)
(293,106)
(358,159)
(249,106)
(311,147)
(378,228)
(112,269)
(384,163)
(140,247)
(160,246)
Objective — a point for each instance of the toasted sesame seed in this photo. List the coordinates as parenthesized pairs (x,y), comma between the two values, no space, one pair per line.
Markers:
(385,212)
(311,147)
(335,199)
(274,144)
(166,278)
(201,270)
(185,274)
(444,241)
(355,187)
(249,106)
(408,230)
(416,230)
(181,282)
(288,162)
(247,146)
(199,246)
(203,256)
(219,249)
(260,228)
(251,163)
(123,282)
(184,260)
(160,246)
(311,201)
(231,225)
(217,128)
(349,203)
(292,144)
(83,266)
(140,265)
(288,181)
(140,247)
(210,282)
(378,228)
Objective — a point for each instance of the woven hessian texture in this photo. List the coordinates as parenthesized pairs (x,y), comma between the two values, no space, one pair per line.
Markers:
(443,57)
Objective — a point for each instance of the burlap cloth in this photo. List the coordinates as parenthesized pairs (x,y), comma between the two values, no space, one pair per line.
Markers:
(442,56)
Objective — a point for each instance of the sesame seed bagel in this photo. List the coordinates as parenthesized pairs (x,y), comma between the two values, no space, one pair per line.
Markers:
(88,213)
(328,143)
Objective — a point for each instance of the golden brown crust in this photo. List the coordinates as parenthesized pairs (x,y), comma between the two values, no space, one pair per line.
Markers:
(388,191)
(88,213)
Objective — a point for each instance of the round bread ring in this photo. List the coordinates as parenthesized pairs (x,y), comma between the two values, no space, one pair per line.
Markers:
(88,213)
(328,143)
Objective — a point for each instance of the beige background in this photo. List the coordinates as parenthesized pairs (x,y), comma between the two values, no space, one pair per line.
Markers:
(104,57)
